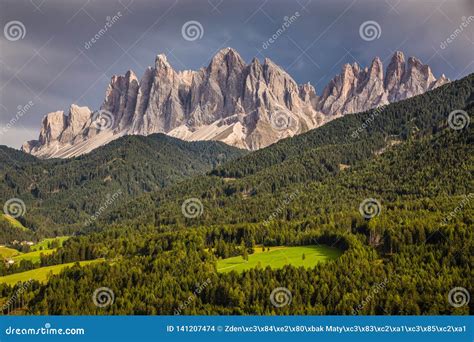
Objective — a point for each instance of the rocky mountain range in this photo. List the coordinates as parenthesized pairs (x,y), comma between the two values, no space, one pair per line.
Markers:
(245,105)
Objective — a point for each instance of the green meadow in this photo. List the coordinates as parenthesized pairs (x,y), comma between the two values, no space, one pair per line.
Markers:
(12,221)
(36,250)
(6,252)
(34,257)
(43,244)
(41,274)
(277,257)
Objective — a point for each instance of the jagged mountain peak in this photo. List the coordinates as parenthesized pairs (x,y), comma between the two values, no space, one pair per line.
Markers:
(376,68)
(161,59)
(398,56)
(413,61)
(130,74)
(228,56)
(227,50)
(244,105)
(271,65)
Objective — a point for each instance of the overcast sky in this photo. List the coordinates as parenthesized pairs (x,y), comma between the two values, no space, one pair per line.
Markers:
(46,66)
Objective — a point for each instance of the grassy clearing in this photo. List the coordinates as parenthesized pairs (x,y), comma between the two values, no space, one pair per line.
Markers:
(6,252)
(43,244)
(36,250)
(277,257)
(41,274)
(33,256)
(13,222)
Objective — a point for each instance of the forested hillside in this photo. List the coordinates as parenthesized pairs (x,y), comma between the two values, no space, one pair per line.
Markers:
(254,197)
(410,253)
(61,194)
(419,115)
(396,201)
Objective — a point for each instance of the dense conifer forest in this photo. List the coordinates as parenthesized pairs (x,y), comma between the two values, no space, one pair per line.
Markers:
(396,198)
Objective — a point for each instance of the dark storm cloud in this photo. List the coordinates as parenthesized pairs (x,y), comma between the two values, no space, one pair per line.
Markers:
(52,67)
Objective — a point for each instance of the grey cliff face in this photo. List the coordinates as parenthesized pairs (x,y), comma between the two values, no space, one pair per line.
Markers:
(245,105)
